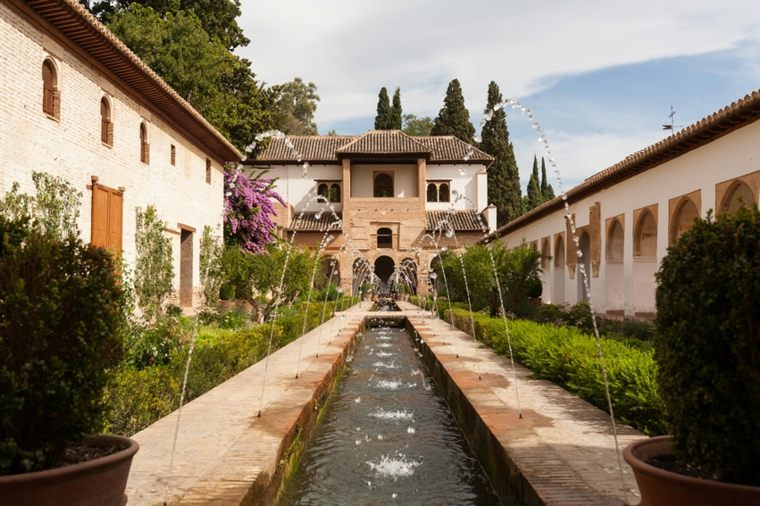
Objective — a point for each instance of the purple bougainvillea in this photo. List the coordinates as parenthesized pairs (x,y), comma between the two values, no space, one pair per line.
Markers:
(248,209)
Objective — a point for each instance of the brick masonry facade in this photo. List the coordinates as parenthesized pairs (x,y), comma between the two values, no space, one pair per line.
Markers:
(71,147)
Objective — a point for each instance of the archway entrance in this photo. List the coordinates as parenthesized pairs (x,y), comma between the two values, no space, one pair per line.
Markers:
(384,266)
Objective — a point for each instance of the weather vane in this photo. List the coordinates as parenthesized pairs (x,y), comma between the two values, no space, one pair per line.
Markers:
(670,126)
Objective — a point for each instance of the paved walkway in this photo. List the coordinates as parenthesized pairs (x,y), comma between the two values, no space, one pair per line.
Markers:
(563,446)
(561,451)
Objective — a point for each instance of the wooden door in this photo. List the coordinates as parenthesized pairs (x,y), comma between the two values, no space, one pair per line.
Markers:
(107,217)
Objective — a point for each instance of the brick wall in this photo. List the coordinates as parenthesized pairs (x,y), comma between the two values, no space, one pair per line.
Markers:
(71,148)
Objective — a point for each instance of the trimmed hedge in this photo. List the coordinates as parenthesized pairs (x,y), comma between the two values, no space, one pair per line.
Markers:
(570,358)
(142,392)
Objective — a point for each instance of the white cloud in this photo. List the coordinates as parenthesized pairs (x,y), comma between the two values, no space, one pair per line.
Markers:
(352,48)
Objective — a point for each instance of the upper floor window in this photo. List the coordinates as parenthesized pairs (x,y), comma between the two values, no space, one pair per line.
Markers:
(173,154)
(438,191)
(106,125)
(383,186)
(384,238)
(208,171)
(144,145)
(51,96)
(329,192)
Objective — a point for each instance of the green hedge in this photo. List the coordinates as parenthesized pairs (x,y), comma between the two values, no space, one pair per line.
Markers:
(141,394)
(570,358)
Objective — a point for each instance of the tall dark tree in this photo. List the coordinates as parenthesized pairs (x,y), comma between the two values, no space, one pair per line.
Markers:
(396,111)
(453,118)
(534,187)
(547,192)
(503,176)
(383,118)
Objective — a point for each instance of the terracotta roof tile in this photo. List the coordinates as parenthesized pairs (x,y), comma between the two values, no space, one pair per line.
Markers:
(326,149)
(460,221)
(315,222)
(386,142)
(736,115)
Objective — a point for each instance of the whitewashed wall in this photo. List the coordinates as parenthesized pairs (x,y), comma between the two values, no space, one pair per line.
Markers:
(733,155)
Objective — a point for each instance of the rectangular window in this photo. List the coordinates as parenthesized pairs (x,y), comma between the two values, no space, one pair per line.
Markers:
(107,212)
(173,154)
(208,171)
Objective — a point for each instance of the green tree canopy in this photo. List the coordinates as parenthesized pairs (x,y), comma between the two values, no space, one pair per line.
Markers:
(383,118)
(218,17)
(220,85)
(294,105)
(503,176)
(395,117)
(412,125)
(453,118)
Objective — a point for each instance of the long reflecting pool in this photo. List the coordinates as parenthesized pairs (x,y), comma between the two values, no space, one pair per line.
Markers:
(388,436)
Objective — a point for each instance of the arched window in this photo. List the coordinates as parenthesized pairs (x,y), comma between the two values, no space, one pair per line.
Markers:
(384,238)
(106,125)
(645,238)
(335,193)
(432,193)
(683,218)
(443,192)
(323,191)
(383,185)
(739,195)
(51,97)
(545,254)
(144,146)
(208,171)
(559,252)
(615,242)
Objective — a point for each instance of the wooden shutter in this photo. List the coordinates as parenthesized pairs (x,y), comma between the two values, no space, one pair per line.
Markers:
(115,212)
(100,212)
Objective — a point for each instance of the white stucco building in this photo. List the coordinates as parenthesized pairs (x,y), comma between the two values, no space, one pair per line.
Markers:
(628,214)
(390,191)
(78,104)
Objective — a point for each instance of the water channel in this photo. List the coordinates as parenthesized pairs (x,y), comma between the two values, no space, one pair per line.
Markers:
(388,436)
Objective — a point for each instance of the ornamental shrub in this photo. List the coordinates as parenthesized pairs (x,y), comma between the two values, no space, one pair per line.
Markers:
(61,315)
(708,345)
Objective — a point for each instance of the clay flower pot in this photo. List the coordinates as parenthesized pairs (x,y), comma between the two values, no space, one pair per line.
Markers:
(100,481)
(660,487)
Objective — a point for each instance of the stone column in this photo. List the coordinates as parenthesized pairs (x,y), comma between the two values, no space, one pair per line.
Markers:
(422,179)
(346,186)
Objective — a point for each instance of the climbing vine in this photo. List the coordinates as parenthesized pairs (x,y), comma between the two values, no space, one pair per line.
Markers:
(154,269)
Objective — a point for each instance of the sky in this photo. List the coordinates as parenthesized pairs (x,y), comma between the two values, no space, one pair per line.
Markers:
(600,76)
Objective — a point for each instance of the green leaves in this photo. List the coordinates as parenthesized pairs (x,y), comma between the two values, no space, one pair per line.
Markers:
(154,267)
(453,118)
(708,344)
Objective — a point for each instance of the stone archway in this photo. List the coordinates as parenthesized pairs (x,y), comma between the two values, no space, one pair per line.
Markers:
(384,267)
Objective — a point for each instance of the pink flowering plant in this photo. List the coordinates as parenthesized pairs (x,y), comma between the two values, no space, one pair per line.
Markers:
(248,209)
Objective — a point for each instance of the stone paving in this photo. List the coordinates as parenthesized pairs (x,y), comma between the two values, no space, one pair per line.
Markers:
(560,452)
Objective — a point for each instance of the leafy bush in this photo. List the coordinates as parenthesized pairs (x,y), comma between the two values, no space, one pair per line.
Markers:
(60,319)
(145,389)
(155,344)
(154,268)
(708,345)
(569,358)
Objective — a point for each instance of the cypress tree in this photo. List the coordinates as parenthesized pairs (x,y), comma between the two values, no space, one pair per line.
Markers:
(395,116)
(383,118)
(453,118)
(503,177)
(547,192)
(534,187)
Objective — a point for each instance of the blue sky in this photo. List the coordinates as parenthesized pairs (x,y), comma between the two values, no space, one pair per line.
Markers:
(600,76)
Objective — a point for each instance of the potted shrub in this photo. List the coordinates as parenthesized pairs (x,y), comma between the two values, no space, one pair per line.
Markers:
(708,350)
(61,318)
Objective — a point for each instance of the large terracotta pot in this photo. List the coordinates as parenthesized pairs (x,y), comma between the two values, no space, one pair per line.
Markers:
(97,482)
(659,487)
